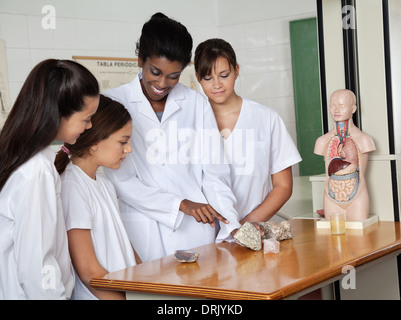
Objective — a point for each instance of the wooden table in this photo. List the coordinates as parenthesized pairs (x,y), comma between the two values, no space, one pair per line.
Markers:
(311,259)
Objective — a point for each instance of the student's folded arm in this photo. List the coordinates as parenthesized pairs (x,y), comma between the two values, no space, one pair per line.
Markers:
(277,197)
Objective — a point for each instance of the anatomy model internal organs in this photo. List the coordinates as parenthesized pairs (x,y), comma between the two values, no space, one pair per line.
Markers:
(343,165)
(345,149)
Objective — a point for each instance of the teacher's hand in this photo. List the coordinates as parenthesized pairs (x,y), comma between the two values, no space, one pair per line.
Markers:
(201,212)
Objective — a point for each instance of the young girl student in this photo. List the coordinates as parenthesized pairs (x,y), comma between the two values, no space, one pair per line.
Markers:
(98,242)
(56,102)
(170,197)
(257,144)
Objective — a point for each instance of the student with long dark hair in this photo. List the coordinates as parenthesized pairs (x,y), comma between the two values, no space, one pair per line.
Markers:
(173,195)
(98,242)
(56,102)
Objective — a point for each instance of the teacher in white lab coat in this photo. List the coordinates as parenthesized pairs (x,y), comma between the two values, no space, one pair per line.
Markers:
(174,189)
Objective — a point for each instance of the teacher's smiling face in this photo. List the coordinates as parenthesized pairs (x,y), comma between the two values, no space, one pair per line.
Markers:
(159,76)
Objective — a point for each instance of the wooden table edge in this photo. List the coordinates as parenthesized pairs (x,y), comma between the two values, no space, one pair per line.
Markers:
(226,294)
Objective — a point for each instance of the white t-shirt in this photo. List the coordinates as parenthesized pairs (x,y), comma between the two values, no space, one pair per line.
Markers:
(92,204)
(258,147)
(34,258)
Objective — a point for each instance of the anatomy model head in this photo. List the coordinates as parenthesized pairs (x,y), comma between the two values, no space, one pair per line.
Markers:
(342,105)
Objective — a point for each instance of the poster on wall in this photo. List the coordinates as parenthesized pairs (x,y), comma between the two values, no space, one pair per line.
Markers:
(114,72)
(4,91)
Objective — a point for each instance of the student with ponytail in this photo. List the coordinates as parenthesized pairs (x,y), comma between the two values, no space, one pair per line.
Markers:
(97,240)
(56,102)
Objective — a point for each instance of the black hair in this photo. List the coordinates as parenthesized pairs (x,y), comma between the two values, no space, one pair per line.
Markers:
(165,37)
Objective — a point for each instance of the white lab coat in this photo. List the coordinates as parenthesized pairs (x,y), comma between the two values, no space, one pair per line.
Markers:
(92,204)
(259,146)
(171,161)
(35,262)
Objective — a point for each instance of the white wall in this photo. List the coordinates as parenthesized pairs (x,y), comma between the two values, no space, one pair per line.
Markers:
(260,34)
(88,27)
(257,29)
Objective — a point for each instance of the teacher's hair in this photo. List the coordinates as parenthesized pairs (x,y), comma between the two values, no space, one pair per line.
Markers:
(54,89)
(110,117)
(164,37)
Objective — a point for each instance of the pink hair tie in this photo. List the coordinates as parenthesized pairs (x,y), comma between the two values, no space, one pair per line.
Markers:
(65,149)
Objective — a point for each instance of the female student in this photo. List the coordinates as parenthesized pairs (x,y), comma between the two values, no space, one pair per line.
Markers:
(97,240)
(170,194)
(256,142)
(56,102)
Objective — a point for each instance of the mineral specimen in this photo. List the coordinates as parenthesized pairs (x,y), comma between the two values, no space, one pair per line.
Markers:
(271,246)
(186,256)
(279,231)
(249,236)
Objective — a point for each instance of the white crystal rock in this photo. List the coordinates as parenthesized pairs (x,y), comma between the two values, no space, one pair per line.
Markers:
(271,246)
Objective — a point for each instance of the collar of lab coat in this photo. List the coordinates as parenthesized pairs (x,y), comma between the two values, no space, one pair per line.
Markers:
(173,104)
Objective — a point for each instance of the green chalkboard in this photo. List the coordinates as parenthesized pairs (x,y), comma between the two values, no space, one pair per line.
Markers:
(306,85)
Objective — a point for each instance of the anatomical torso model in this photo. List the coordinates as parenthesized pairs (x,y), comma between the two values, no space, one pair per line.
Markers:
(345,149)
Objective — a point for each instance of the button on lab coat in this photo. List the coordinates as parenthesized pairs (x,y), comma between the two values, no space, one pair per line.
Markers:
(173,159)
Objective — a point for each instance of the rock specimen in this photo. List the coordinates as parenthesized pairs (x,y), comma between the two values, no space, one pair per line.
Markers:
(186,256)
(251,237)
(279,231)
(271,246)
